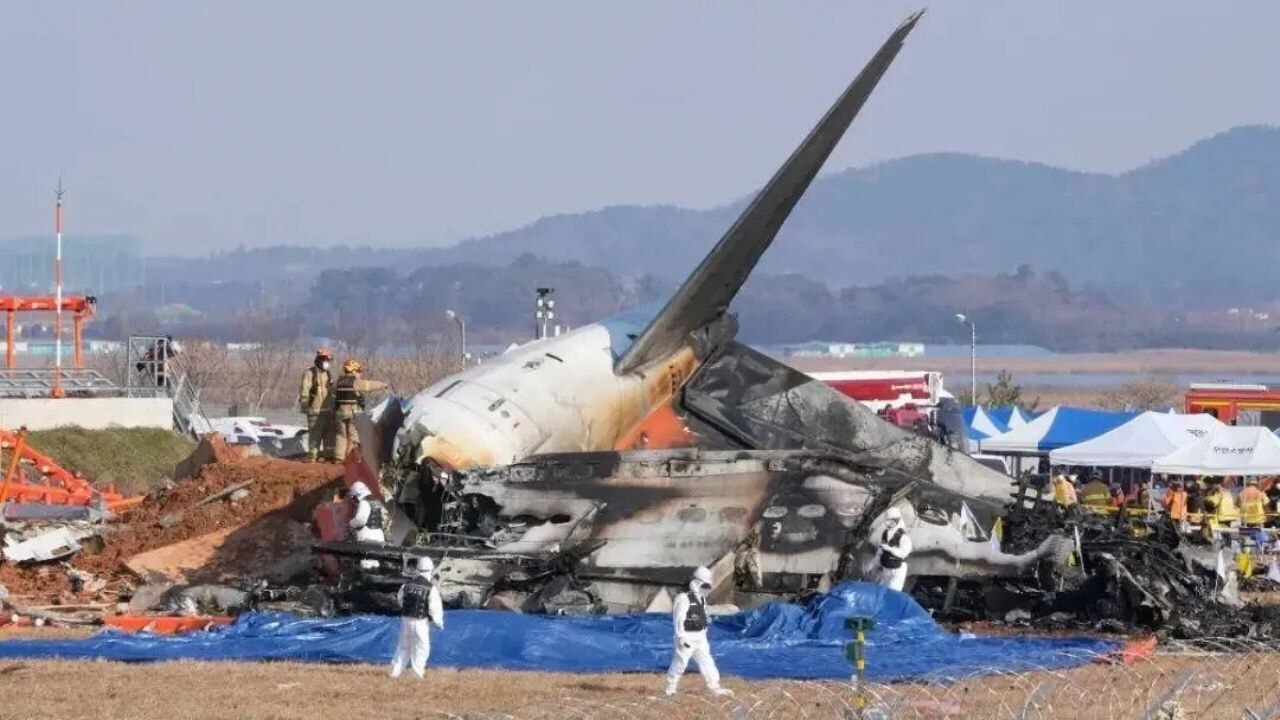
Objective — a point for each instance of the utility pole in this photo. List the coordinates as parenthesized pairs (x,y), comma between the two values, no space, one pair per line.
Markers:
(57,282)
(973,356)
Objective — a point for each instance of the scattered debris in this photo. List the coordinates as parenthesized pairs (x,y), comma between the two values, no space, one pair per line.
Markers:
(52,545)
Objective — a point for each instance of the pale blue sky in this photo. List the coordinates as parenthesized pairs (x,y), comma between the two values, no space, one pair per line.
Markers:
(415,123)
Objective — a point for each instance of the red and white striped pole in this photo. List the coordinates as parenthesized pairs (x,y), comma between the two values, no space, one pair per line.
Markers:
(57,313)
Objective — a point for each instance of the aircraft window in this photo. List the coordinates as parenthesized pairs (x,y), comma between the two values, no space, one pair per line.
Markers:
(774,512)
(692,515)
(733,514)
(560,519)
(811,511)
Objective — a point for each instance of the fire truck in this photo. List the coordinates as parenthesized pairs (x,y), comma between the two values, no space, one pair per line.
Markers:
(1235,403)
(911,399)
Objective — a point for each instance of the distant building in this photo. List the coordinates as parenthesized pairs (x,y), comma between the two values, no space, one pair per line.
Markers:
(95,264)
(856,350)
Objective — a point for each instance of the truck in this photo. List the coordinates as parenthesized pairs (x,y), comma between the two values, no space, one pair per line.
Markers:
(1235,403)
(911,399)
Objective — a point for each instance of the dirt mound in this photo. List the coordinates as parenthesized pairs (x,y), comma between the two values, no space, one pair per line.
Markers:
(43,583)
(276,485)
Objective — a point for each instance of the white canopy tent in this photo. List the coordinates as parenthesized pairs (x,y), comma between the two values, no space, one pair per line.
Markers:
(1139,442)
(1228,450)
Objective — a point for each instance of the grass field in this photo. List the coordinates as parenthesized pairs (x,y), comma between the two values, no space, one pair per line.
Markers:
(133,459)
(1205,686)
(1136,362)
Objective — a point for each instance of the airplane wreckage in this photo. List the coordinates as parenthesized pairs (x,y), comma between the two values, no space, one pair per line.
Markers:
(592,471)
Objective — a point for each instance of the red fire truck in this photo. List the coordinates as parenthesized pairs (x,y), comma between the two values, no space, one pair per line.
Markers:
(885,389)
(1235,404)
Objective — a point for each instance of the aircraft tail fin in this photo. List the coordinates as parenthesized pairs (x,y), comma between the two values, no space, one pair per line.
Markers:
(707,292)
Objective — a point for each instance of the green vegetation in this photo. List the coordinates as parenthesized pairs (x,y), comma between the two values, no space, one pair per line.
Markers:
(134,460)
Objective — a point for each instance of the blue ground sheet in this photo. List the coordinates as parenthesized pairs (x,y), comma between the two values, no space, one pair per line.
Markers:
(778,640)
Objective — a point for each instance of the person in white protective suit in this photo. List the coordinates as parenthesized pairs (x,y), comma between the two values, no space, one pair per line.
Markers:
(894,546)
(369,520)
(419,604)
(689,616)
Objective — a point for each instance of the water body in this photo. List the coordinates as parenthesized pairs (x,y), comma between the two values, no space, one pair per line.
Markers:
(1085,380)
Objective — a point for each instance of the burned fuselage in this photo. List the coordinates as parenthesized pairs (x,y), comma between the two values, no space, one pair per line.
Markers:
(662,444)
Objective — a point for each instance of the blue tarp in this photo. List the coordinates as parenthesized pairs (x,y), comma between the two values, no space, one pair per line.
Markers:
(778,640)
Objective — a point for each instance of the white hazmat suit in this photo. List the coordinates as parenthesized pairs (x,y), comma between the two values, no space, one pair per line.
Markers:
(894,548)
(414,646)
(689,618)
(367,523)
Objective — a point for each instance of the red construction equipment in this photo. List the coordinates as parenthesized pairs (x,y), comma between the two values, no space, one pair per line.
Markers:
(56,486)
(81,307)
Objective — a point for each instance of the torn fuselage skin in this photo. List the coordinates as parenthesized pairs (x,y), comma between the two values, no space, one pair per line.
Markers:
(655,515)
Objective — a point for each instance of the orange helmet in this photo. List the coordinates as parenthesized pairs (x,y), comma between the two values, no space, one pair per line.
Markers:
(325,353)
(351,366)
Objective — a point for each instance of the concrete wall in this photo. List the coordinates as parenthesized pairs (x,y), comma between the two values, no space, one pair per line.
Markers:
(90,413)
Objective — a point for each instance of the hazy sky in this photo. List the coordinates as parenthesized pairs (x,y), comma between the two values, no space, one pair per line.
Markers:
(212,124)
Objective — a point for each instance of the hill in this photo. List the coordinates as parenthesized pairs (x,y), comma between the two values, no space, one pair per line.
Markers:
(1206,219)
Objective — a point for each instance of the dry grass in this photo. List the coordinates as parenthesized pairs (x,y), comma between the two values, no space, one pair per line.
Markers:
(1211,686)
(1138,362)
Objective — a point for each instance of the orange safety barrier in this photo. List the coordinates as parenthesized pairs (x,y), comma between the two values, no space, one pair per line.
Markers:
(56,486)
(165,624)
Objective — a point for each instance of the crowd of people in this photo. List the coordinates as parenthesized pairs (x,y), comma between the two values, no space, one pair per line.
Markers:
(1202,504)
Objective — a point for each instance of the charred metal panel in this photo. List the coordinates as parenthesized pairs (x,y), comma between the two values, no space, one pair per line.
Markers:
(763,404)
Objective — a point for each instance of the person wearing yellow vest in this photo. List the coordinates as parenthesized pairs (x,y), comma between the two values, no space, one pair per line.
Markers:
(1064,493)
(1223,505)
(1253,504)
(1097,495)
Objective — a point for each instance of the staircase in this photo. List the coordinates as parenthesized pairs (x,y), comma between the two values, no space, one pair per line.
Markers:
(155,369)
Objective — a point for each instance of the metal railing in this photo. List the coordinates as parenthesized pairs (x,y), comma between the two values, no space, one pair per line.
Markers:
(39,383)
(156,368)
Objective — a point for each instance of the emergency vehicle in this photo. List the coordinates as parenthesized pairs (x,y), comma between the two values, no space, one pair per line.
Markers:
(1235,403)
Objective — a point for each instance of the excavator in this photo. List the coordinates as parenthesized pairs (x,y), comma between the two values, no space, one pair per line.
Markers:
(593,470)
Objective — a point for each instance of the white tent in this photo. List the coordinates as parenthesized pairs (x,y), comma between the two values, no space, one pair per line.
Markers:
(1228,450)
(1138,442)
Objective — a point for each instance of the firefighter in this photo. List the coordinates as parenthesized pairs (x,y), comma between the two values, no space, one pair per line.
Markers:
(419,604)
(1116,501)
(1064,493)
(348,393)
(1253,504)
(369,521)
(895,547)
(315,401)
(1222,507)
(1175,503)
(1097,496)
(689,615)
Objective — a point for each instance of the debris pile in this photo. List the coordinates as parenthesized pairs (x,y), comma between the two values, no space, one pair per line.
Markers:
(227,518)
(1127,577)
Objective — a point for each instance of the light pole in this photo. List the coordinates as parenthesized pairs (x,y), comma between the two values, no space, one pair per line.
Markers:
(462,331)
(973,356)
(543,312)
